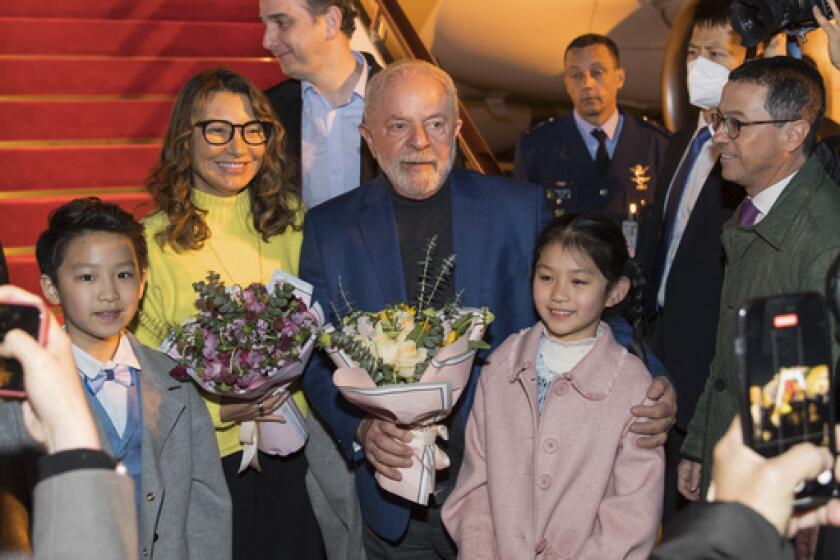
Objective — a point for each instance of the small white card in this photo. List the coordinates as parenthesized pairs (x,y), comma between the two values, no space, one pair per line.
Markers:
(630,228)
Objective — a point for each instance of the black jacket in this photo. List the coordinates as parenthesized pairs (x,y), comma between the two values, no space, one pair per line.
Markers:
(687,324)
(554,155)
(285,98)
(714,531)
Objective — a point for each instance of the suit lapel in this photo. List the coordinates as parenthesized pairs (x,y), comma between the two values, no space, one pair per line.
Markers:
(376,222)
(469,235)
(708,199)
(162,403)
(676,151)
(368,168)
(292,109)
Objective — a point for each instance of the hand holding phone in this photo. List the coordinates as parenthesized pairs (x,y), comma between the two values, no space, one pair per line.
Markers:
(766,485)
(787,396)
(30,317)
(56,411)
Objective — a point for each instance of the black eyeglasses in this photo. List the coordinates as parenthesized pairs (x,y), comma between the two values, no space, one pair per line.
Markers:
(732,126)
(219,133)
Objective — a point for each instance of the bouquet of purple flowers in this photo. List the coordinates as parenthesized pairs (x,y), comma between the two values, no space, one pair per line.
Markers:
(250,344)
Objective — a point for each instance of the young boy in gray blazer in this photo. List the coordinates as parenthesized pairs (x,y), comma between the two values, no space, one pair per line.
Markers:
(93,262)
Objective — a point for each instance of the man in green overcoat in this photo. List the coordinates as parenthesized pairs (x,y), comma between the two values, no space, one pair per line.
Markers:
(782,238)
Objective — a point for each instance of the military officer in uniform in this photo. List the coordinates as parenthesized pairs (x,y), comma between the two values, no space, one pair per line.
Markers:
(597,158)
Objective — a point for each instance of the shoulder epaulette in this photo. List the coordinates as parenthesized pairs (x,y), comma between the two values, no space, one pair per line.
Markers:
(539,125)
(647,122)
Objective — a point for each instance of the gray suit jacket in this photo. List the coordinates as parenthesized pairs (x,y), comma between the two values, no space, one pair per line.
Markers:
(186,511)
(78,514)
(85,514)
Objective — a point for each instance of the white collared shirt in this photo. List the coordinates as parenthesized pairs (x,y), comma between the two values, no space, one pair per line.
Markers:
(765,200)
(330,144)
(113,397)
(611,127)
(700,171)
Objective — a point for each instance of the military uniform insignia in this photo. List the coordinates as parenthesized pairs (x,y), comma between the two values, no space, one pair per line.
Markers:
(557,196)
(640,176)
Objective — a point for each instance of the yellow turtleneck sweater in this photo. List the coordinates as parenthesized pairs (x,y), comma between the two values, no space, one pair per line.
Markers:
(236,252)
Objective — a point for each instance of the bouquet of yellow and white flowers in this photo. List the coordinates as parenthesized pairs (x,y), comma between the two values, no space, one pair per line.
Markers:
(408,365)
(396,345)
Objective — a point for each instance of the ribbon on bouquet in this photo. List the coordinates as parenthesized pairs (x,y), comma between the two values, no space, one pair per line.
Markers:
(420,405)
(431,458)
(272,424)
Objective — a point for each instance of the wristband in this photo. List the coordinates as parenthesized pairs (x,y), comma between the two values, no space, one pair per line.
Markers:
(73,459)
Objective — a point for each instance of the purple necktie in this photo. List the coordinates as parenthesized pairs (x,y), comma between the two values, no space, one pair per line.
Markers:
(747,214)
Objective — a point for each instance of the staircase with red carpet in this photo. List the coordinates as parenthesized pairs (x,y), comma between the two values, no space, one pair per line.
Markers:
(86,87)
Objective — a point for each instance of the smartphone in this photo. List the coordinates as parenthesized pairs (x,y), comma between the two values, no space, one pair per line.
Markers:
(784,346)
(31,318)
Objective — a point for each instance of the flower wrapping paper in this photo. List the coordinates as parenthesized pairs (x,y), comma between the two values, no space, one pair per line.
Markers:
(283,431)
(418,406)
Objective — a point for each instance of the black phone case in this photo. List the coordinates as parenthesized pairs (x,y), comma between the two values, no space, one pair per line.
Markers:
(787,391)
(30,319)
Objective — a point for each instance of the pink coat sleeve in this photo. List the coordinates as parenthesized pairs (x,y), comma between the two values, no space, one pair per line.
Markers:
(628,517)
(466,512)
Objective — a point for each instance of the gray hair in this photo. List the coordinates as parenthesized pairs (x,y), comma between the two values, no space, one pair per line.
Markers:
(379,82)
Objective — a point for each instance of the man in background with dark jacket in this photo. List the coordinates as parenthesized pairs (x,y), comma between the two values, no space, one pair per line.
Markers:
(321,106)
(680,234)
(597,158)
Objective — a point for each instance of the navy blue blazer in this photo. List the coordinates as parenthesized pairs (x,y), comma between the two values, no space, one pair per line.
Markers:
(553,154)
(495,223)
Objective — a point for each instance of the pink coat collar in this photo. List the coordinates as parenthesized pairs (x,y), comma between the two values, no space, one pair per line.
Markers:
(592,377)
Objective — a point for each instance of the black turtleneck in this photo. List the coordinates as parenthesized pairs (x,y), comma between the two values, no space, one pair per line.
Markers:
(417,222)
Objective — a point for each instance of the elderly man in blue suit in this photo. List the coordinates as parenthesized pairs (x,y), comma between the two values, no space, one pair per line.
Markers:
(368,242)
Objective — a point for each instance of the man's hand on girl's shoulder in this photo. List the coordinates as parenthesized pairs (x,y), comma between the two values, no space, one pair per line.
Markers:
(657,418)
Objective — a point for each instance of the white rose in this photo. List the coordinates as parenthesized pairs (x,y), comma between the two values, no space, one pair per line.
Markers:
(386,349)
(408,357)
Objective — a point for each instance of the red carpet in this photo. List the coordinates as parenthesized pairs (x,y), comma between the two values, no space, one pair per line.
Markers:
(84,119)
(38,75)
(21,36)
(78,167)
(85,95)
(179,10)
(34,214)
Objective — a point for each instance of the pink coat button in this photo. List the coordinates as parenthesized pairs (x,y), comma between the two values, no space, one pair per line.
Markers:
(541,546)
(544,482)
(550,445)
(561,387)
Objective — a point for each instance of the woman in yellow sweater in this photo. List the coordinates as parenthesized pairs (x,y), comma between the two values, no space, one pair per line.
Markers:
(226,202)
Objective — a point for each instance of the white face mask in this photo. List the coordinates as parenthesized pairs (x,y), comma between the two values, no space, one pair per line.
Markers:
(705,82)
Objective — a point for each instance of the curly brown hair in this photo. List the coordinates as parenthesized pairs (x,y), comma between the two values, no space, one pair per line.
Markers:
(274,193)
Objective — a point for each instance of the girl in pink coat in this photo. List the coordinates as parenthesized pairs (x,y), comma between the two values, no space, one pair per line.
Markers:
(550,469)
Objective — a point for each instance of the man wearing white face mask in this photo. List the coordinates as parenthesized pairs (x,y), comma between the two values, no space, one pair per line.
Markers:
(680,244)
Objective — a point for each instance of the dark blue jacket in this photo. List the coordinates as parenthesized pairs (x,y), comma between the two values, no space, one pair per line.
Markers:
(495,223)
(553,154)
